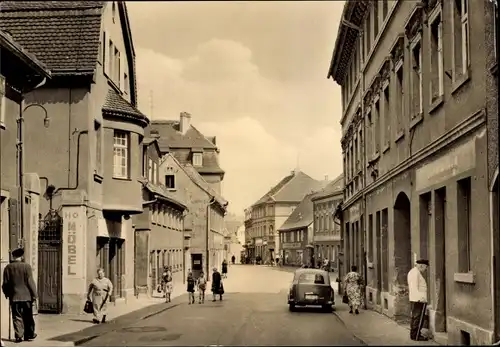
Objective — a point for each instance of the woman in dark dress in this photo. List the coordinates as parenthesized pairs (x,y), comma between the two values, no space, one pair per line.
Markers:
(224,268)
(217,287)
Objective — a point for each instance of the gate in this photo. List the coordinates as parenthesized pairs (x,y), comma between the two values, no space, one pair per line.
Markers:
(50,263)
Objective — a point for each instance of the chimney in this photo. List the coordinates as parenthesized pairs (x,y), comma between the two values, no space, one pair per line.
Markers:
(185,122)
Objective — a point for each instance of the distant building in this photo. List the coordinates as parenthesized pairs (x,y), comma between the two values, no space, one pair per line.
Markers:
(94,141)
(233,243)
(204,221)
(189,146)
(273,209)
(326,239)
(159,231)
(417,93)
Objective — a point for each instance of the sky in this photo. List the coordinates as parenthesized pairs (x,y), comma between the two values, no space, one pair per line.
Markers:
(253,74)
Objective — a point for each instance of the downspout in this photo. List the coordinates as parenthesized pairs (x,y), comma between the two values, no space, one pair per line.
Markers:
(20,157)
(212,201)
(75,187)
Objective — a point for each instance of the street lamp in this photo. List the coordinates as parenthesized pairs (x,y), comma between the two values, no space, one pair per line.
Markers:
(20,160)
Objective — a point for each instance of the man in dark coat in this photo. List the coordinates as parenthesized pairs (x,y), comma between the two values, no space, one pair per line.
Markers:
(19,287)
(217,286)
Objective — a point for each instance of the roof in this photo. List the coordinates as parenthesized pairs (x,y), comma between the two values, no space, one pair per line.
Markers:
(200,182)
(65,35)
(334,187)
(301,217)
(116,105)
(161,193)
(292,188)
(171,137)
(352,16)
(8,42)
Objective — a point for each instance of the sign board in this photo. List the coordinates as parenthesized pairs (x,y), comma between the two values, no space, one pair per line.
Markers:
(74,242)
(292,245)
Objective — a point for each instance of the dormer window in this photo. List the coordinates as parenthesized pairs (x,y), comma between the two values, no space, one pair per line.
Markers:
(197,159)
(113,11)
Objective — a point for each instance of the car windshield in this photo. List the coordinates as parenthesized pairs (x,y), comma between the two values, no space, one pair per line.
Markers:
(311,278)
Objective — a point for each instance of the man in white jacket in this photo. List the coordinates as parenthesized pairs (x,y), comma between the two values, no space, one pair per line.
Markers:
(417,287)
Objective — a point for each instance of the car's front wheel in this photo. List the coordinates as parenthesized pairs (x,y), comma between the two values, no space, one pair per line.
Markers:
(291,307)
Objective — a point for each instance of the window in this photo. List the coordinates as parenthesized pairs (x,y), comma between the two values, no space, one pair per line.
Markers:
(387,114)
(170,181)
(400,93)
(356,161)
(110,71)
(369,124)
(416,77)
(384,9)
(155,170)
(113,11)
(98,146)
(3,101)
(375,20)
(103,47)
(116,67)
(376,128)
(368,38)
(120,154)
(436,41)
(464,224)
(144,163)
(126,84)
(311,278)
(150,170)
(370,237)
(161,216)
(461,48)
(197,159)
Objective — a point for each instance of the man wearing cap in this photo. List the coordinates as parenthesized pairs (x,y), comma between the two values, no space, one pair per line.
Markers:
(19,287)
(417,287)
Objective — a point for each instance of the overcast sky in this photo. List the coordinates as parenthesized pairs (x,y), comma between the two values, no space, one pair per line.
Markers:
(251,73)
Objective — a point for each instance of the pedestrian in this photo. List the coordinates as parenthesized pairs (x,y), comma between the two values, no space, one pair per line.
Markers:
(202,286)
(167,283)
(224,268)
(19,288)
(352,286)
(98,293)
(190,287)
(417,287)
(217,286)
(233,259)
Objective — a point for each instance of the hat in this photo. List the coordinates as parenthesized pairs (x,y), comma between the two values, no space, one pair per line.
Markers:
(17,253)
(423,262)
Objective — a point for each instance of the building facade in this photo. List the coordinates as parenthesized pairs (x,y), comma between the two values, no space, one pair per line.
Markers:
(93,173)
(19,71)
(326,228)
(414,138)
(204,221)
(273,209)
(159,230)
(249,241)
(296,235)
(189,146)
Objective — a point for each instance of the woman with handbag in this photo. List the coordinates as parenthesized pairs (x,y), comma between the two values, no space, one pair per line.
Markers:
(352,288)
(98,294)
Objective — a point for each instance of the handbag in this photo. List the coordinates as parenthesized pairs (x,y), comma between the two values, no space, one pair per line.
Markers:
(345,299)
(89,307)
(159,288)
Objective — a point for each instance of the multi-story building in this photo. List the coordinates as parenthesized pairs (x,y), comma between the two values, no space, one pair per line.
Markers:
(249,245)
(93,140)
(19,71)
(492,23)
(296,234)
(273,209)
(204,221)
(414,141)
(326,229)
(232,244)
(159,230)
(190,146)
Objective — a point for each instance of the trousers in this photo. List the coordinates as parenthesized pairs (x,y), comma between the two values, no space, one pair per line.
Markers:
(417,310)
(22,318)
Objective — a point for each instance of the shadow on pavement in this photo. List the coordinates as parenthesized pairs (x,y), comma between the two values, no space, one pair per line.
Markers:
(90,333)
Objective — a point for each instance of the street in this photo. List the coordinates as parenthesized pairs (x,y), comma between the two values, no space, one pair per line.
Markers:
(254,311)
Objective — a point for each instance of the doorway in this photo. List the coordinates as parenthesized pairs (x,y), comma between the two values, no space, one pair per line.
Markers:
(495,200)
(440,258)
(402,255)
(378,240)
(197,264)
(111,258)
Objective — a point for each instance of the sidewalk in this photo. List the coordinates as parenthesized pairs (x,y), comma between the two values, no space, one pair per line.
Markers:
(67,327)
(374,328)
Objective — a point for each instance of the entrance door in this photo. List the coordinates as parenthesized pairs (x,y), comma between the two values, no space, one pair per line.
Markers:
(378,240)
(50,264)
(440,255)
(197,264)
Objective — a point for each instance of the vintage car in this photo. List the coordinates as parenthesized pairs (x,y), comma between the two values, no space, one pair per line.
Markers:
(311,287)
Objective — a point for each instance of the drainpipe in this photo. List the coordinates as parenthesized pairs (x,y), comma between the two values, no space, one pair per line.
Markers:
(75,187)
(207,250)
(495,261)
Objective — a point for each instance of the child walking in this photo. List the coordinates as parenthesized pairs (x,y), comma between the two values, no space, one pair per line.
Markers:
(190,287)
(202,286)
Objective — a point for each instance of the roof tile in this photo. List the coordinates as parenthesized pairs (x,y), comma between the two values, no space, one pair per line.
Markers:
(116,104)
(301,217)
